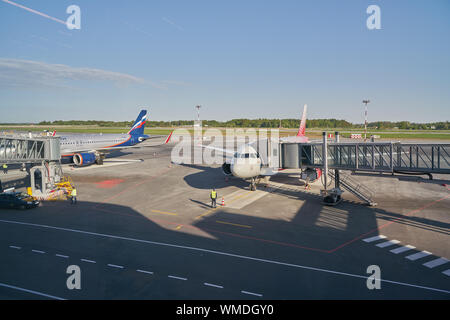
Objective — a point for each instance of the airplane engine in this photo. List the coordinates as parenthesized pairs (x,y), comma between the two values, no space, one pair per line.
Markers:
(226,168)
(84,159)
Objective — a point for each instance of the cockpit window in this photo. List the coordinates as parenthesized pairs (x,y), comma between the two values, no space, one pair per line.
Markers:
(246,155)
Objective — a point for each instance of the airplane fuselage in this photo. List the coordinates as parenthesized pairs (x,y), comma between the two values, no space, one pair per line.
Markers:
(71,144)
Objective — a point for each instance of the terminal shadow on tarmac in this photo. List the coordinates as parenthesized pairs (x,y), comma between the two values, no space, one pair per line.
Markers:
(114,235)
(404,177)
(348,219)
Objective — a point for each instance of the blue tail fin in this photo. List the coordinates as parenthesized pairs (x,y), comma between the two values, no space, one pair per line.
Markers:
(138,127)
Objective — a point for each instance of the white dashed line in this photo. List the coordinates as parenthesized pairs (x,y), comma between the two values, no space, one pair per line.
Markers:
(178,278)
(372,239)
(252,294)
(402,249)
(435,262)
(30,291)
(38,251)
(143,271)
(61,256)
(418,255)
(86,260)
(14,247)
(220,253)
(115,266)
(212,285)
(387,243)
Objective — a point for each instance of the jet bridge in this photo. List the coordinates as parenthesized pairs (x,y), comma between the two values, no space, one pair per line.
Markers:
(41,151)
(370,156)
(331,157)
(28,149)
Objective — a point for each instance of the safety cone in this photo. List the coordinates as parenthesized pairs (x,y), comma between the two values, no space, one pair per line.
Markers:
(223,202)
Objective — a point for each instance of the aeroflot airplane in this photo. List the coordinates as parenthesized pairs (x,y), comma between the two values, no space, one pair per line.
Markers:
(84,149)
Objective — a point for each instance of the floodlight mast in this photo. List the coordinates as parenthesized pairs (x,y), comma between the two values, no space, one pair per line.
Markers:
(365,119)
(198,113)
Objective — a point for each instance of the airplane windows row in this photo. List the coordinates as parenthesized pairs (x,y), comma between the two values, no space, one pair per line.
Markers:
(112,141)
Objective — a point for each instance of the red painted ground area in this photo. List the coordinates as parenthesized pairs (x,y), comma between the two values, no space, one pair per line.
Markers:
(106,184)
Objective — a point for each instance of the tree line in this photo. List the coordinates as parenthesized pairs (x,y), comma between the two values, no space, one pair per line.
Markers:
(261,123)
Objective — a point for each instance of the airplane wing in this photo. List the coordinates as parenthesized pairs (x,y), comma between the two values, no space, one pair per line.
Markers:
(226,152)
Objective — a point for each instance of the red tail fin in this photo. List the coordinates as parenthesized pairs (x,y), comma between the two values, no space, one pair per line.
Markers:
(301,130)
(168,138)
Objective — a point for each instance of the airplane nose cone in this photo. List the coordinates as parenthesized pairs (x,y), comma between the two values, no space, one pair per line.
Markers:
(243,168)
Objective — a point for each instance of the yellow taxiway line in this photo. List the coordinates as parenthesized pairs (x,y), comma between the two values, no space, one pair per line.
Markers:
(234,224)
(165,212)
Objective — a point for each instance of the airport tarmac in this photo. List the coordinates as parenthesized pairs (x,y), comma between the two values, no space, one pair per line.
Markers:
(143,228)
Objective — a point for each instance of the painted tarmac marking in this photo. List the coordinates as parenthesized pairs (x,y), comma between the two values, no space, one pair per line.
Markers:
(231,201)
(402,249)
(235,224)
(446,272)
(418,255)
(61,256)
(206,213)
(233,255)
(144,271)
(86,260)
(115,266)
(133,187)
(410,213)
(165,212)
(38,251)
(387,243)
(252,294)
(178,278)
(14,247)
(213,285)
(249,198)
(30,291)
(374,238)
(179,227)
(436,262)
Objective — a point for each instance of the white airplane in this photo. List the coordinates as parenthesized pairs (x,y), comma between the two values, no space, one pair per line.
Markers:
(247,163)
(85,149)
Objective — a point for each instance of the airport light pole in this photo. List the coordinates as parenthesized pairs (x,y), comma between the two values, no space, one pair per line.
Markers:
(365,120)
(198,113)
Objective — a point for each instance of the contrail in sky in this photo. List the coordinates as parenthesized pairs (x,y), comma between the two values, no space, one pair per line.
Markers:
(35,12)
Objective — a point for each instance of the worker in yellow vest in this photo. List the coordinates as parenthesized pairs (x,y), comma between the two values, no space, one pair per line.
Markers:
(74,196)
(5,168)
(213,198)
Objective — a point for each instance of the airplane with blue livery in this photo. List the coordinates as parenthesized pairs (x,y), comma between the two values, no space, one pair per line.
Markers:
(86,149)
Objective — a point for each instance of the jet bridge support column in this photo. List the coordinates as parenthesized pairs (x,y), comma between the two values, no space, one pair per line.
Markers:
(325,160)
(336,171)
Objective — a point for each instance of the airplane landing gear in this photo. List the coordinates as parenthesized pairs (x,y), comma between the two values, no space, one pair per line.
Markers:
(99,158)
(253,185)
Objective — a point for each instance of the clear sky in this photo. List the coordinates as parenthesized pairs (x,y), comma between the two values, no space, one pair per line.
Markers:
(237,59)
